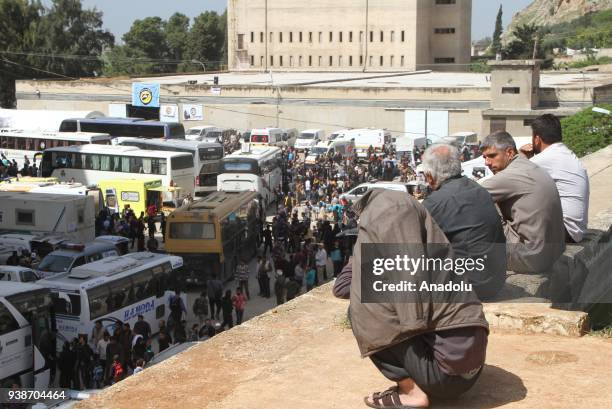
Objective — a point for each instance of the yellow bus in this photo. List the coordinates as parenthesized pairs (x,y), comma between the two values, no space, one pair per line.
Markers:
(137,193)
(214,233)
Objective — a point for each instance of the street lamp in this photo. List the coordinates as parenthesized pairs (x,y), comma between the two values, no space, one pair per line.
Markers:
(194,61)
(601,110)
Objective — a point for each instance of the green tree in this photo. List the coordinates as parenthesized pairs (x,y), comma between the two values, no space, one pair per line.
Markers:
(206,39)
(123,60)
(177,35)
(523,44)
(148,36)
(35,42)
(496,45)
(76,34)
(588,131)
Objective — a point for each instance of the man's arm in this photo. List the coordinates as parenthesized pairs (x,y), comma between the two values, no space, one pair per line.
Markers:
(342,285)
(500,187)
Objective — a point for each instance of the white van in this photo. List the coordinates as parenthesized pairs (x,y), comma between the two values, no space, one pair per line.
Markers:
(358,191)
(267,137)
(198,133)
(309,138)
(18,274)
(345,147)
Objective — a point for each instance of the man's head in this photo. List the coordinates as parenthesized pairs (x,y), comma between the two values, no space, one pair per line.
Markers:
(140,318)
(546,130)
(440,163)
(498,149)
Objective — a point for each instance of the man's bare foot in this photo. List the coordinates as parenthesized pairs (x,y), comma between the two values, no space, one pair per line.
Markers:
(409,393)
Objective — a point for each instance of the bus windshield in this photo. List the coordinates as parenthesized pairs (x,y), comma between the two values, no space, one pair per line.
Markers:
(66,303)
(55,263)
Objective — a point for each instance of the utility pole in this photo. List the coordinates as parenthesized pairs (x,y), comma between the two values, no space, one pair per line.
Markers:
(535,47)
(266,38)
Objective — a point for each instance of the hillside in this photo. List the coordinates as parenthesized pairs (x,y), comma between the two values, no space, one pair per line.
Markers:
(552,12)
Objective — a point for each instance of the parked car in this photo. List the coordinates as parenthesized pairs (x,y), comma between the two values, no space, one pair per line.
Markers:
(70,256)
(358,191)
(18,274)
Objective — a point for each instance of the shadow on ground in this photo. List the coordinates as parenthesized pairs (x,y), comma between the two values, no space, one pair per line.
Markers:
(496,387)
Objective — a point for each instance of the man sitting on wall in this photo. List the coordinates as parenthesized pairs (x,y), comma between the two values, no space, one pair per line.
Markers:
(467,215)
(563,166)
(529,203)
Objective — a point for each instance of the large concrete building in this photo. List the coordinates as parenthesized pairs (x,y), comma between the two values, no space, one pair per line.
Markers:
(349,35)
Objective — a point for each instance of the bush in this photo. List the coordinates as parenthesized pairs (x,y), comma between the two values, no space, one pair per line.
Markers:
(587,131)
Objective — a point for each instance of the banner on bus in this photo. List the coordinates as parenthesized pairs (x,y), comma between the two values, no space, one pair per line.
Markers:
(169,113)
(145,95)
(192,112)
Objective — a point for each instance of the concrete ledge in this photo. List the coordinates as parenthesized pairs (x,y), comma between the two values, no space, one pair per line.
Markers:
(302,355)
(536,318)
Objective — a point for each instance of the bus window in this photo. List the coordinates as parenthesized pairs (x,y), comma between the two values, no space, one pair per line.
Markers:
(7,321)
(99,302)
(182,162)
(66,304)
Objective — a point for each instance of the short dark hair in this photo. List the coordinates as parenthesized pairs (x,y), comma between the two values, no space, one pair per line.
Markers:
(501,140)
(548,128)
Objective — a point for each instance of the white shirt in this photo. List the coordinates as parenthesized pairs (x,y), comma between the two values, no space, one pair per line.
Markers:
(572,183)
(321,257)
(307,185)
(101,348)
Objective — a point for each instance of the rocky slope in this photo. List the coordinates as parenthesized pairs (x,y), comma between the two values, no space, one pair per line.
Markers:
(548,12)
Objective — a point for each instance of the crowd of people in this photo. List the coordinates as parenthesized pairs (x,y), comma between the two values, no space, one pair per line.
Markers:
(10,169)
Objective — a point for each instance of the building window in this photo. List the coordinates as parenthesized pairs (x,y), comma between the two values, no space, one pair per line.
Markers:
(382,36)
(261,37)
(271,35)
(361,36)
(320,37)
(241,41)
(331,36)
(300,36)
(392,36)
(280,37)
(444,60)
(371,61)
(261,61)
(25,217)
(320,61)
(498,124)
(290,36)
(391,61)
(340,36)
(527,122)
(350,60)
(280,60)
(310,36)
(300,61)
(331,60)
(445,1)
(402,61)
(403,36)
(252,60)
(361,60)
(371,36)
(271,61)
(291,61)
(340,61)
(511,90)
(252,37)
(310,60)
(449,30)
(350,36)
(381,60)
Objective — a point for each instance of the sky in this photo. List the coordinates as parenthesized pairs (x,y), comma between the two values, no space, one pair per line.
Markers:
(119,14)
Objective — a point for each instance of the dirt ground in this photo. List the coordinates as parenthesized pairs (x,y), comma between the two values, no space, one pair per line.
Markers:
(302,355)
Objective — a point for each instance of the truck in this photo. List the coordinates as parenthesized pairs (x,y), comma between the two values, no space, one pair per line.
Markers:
(378,139)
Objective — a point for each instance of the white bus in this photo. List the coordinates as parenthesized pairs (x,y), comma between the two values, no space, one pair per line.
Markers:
(90,164)
(114,291)
(206,158)
(256,170)
(27,325)
(16,144)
